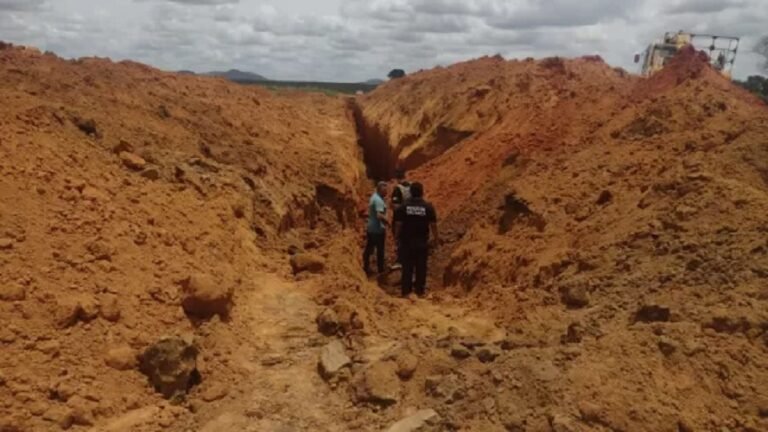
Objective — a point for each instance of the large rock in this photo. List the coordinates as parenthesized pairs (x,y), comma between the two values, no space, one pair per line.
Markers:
(378,384)
(307,262)
(203,297)
(333,359)
(418,422)
(171,366)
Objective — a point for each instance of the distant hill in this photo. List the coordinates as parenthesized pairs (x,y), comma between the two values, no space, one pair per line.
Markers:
(250,78)
(232,75)
(237,75)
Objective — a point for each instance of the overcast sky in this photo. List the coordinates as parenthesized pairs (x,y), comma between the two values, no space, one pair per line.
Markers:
(355,40)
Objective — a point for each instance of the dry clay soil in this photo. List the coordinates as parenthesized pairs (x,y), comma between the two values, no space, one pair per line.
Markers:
(603,264)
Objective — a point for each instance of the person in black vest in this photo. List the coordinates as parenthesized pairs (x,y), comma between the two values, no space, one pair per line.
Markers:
(414,221)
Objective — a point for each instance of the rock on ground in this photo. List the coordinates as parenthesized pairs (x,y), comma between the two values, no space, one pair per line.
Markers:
(121,358)
(307,262)
(132,161)
(418,422)
(6,243)
(575,296)
(333,359)
(61,416)
(203,297)
(110,309)
(488,354)
(460,352)
(171,366)
(69,312)
(328,322)
(652,313)
(406,365)
(12,292)
(215,392)
(378,384)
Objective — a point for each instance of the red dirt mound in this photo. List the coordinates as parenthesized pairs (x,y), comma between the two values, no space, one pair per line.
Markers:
(118,183)
(604,265)
(579,200)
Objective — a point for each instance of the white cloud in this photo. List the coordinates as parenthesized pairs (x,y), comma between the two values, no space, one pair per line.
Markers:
(21,5)
(703,6)
(354,40)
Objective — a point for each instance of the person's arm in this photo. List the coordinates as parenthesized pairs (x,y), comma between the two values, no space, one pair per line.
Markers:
(397,198)
(381,212)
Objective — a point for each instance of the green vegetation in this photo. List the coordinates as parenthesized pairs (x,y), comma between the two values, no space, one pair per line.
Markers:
(396,74)
(757,85)
(327,88)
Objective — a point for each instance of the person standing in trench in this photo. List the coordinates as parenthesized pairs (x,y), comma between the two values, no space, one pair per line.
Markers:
(376,229)
(400,195)
(414,221)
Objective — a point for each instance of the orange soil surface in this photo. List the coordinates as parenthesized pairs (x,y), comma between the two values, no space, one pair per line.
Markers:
(603,266)
(117,182)
(580,195)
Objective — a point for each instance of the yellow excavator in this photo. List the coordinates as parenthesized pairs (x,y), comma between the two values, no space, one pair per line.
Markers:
(722,51)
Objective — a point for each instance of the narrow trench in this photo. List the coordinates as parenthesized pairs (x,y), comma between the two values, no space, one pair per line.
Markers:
(381,162)
(379,157)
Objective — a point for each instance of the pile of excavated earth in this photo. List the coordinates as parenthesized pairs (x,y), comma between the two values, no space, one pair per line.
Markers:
(180,253)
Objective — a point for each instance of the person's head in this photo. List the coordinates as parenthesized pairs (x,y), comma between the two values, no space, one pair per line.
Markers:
(400,174)
(417,190)
(381,188)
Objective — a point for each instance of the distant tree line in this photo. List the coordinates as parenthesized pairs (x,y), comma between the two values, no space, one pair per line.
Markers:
(756,84)
(396,74)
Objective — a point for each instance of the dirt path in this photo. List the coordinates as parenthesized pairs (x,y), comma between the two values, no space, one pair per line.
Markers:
(278,348)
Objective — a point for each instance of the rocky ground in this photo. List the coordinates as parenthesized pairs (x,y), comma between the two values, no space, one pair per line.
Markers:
(182,254)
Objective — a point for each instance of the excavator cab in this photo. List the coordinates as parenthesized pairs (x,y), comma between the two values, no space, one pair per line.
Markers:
(722,51)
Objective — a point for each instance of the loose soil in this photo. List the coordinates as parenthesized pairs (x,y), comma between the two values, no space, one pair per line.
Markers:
(603,267)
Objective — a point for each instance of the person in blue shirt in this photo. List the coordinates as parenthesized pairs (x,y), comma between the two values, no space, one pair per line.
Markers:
(376,228)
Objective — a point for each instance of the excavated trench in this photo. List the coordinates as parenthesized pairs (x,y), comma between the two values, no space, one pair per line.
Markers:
(381,160)
(383,157)
(379,157)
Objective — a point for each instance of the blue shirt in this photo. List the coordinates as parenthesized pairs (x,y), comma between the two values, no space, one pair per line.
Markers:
(376,205)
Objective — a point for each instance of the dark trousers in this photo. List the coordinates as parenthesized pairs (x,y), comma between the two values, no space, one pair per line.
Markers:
(414,261)
(374,241)
(398,246)
(398,251)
